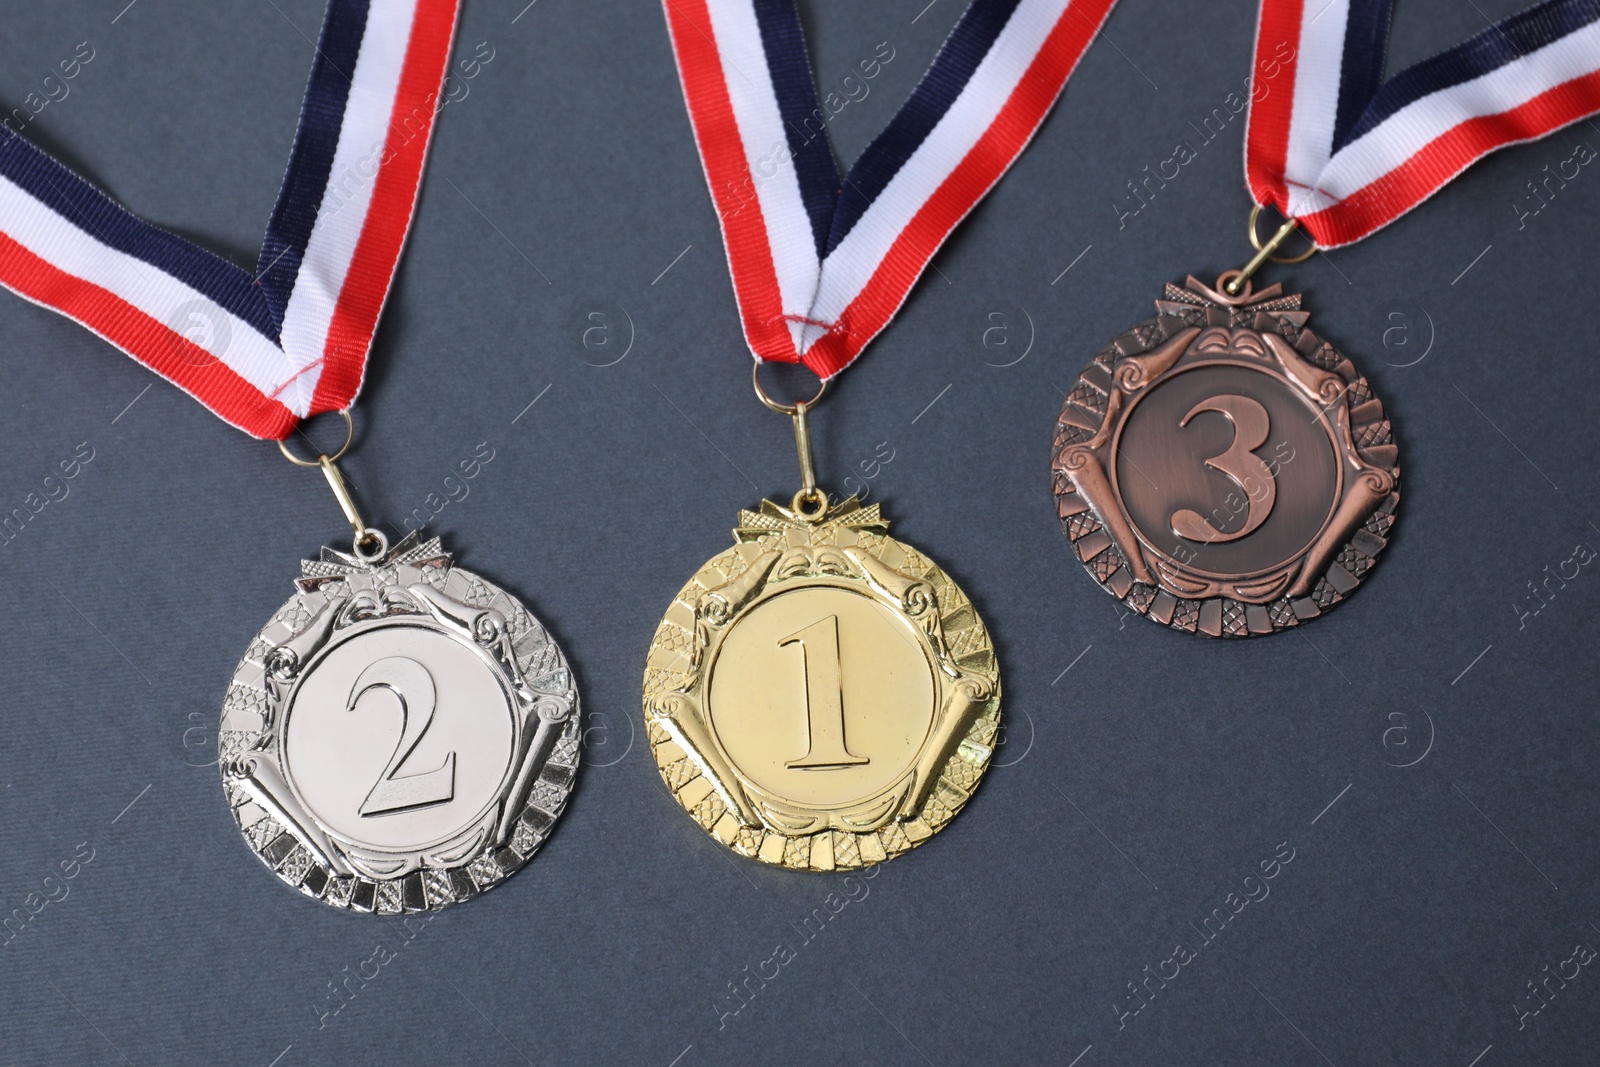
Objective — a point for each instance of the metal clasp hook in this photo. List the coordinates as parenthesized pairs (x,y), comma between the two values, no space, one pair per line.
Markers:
(809,503)
(1265,252)
(369,543)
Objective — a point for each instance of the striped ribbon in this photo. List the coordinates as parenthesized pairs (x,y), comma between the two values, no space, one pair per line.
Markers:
(266,349)
(1346,151)
(822,261)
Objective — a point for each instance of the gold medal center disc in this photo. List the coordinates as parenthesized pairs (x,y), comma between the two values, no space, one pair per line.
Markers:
(821,696)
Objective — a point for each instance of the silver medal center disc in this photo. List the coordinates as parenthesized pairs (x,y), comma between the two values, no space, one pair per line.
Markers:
(401,736)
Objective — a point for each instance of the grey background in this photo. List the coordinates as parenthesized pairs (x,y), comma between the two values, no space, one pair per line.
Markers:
(1144,774)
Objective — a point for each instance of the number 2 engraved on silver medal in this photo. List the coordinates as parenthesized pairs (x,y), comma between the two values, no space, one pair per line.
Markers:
(819,652)
(1241,466)
(413,686)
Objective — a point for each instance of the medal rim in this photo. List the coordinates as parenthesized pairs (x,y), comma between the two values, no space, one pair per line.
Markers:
(941,797)
(1201,306)
(491,862)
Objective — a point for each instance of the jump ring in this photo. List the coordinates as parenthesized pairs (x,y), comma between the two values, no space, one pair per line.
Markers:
(1255,242)
(782,409)
(370,545)
(810,504)
(349,435)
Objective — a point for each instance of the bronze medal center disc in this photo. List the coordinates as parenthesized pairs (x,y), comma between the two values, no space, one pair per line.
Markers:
(822,695)
(1188,447)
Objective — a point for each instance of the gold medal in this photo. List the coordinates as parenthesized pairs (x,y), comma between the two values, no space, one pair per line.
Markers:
(821,696)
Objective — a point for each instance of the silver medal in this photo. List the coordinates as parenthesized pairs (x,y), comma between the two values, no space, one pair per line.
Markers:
(401,735)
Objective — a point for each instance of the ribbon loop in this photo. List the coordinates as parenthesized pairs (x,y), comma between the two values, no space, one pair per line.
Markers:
(260,350)
(820,262)
(1334,145)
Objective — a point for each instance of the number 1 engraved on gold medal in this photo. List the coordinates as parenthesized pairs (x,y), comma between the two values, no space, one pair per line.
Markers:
(411,684)
(1239,463)
(819,653)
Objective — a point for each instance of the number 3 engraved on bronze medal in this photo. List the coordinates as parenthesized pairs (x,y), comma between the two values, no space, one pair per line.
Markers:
(411,684)
(824,696)
(1241,465)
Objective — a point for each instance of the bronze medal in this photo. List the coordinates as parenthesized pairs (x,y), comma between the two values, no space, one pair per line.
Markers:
(1221,468)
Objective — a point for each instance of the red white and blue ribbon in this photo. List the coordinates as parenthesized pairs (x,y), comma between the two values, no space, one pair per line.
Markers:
(821,262)
(1346,151)
(266,349)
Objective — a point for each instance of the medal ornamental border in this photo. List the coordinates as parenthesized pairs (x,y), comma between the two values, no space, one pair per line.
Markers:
(776,545)
(248,733)
(1123,363)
